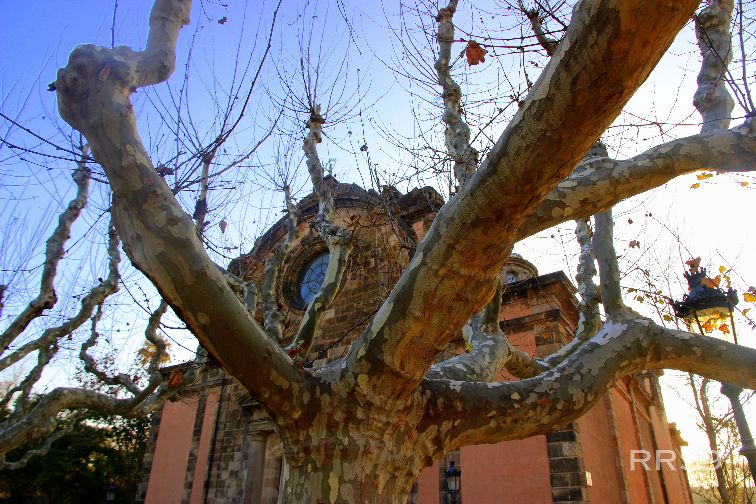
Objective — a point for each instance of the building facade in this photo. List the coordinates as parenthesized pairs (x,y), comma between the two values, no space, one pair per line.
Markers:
(214,444)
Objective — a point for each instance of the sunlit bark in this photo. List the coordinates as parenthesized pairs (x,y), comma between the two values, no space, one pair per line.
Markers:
(336,422)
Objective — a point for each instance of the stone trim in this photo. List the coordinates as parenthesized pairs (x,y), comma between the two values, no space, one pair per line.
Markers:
(549,315)
(149,454)
(619,461)
(191,464)
(566,467)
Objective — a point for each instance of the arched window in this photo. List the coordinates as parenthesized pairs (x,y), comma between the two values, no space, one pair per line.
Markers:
(312,277)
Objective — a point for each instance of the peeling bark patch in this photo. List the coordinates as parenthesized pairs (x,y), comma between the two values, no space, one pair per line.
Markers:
(362,381)
(279,380)
(333,482)
(380,318)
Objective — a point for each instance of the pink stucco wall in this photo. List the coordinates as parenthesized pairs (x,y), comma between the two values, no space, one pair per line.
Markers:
(513,472)
(427,486)
(172,452)
(601,454)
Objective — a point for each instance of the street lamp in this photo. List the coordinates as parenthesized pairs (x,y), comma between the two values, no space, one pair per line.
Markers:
(704,302)
(453,475)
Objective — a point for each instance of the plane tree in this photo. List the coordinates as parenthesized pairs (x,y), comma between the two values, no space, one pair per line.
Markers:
(361,428)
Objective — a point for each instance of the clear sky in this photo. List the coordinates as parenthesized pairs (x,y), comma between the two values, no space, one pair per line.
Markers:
(379,100)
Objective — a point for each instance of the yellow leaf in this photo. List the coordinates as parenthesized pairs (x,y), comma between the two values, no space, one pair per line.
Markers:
(722,269)
(751,298)
(744,184)
(745,311)
(695,186)
(704,176)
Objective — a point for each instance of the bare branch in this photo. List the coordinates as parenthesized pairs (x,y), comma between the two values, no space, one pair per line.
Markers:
(491,351)
(457,131)
(158,236)
(54,252)
(273,318)
(123,379)
(338,240)
(712,99)
(606,257)
(151,335)
(90,366)
(42,419)
(516,410)
(38,452)
(549,44)
(588,320)
(49,337)
(200,207)
(599,183)
(473,233)
(29,423)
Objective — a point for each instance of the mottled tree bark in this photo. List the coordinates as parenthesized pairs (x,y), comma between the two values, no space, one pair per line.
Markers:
(451,276)
(361,429)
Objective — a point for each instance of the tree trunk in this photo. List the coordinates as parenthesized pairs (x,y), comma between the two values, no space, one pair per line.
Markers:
(362,478)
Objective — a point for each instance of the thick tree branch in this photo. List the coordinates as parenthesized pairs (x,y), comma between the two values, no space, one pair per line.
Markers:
(158,236)
(338,240)
(599,183)
(42,419)
(589,319)
(474,413)
(606,257)
(38,452)
(491,351)
(158,60)
(451,275)
(588,312)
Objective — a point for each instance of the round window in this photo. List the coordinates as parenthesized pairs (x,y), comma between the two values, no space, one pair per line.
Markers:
(312,278)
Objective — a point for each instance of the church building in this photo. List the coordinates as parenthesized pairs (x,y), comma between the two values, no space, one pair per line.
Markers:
(214,443)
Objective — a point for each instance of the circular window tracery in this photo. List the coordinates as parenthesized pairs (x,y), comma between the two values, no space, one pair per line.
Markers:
(312,277)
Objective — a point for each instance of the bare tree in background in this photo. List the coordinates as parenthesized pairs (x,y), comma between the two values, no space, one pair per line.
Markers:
(363,427)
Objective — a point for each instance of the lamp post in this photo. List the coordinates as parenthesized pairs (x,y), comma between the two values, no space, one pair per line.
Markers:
(110,493)
(453,475)
(703,303)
